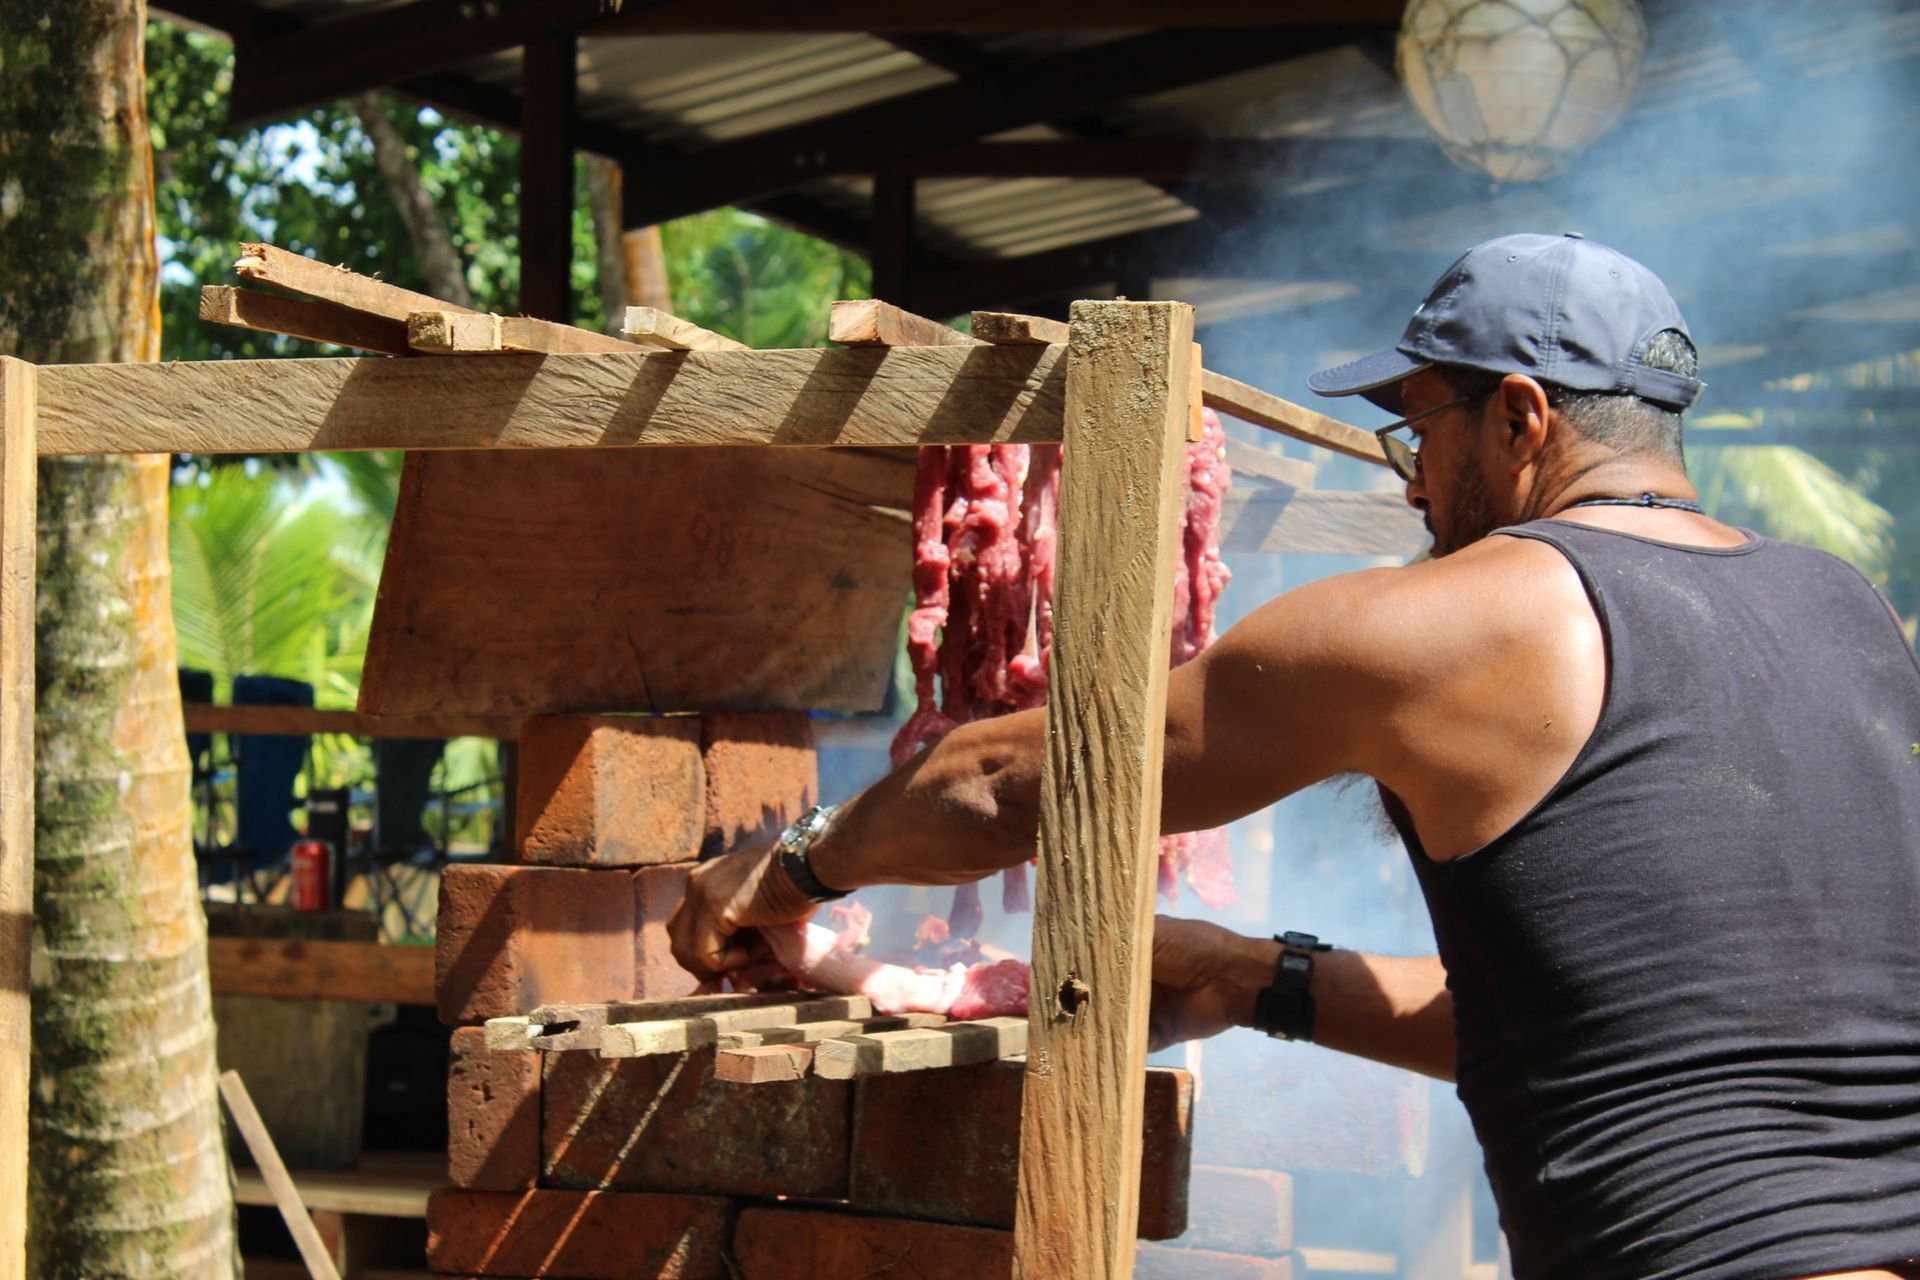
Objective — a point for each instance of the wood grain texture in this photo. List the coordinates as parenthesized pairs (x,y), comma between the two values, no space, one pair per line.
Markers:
(271,313)
(1128,386)
(442,332)
(387,1184)
(1250,404)
(1321,522)
(311,969)
(848,396)
(869,322)
(18,496)
(641,580)
(206,717)
(311,278)
(1263,467)
(1008,328)
(677,1035)
(957,1044)
(657,328)
(313,1250)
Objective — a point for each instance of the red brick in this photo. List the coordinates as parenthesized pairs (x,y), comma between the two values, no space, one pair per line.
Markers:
(657,891)
(514,938)
(610,791)
(493,1115)
(761,774)
(784,1244)
(665,1123)
(578,1235)
(1241,1211)
(945,1146)
(1158,1262)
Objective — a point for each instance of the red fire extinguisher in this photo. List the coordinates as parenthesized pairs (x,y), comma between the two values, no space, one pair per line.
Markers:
(311,889)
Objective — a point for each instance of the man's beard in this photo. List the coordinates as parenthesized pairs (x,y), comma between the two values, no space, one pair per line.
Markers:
(1470,516)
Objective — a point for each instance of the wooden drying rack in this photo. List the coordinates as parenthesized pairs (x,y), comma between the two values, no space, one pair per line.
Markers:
(1118,386)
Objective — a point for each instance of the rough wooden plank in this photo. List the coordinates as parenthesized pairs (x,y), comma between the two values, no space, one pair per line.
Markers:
(386,1184)
(659,328)
(1128,386)
(511,1034)
(460,333)
(957,1044)
(311,278)
(691,558)
(869,322)
(677,1035)
(1007,328)
(1264,467)
(1321,522)
(559,1028)
(1250,404)
(18,496)
(271,313)
(1196,416)
(310,969)
(313,1250)
(763,1064)
(841,396)
(801,1033)
(206,717)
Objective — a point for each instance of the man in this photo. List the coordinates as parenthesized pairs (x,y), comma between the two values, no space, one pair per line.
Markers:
(1659,779)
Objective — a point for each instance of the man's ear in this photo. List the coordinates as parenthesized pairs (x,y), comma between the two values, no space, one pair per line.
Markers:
(1522,406)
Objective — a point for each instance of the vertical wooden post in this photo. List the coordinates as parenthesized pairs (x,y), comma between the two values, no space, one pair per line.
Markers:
(18,489)
(1129,380)
(548,90)
(893,214)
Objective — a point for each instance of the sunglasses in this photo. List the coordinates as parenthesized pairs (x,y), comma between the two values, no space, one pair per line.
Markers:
(1404,456)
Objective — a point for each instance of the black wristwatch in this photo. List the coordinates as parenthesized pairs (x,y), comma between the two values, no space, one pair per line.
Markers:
(792,847)
(1284,1010)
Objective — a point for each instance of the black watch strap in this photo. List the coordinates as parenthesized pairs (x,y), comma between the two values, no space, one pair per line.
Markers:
(800,871)
(1284,1010)
(793,846)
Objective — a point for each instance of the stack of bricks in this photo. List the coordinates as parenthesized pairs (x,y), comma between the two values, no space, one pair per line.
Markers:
(567,1165)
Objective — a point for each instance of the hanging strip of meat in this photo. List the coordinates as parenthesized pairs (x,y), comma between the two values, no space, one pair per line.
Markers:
(927,724)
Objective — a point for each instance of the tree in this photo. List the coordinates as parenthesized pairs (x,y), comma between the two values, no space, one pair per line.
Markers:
(127,1166)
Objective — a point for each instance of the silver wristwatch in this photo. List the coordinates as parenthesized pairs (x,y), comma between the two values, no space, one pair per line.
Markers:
(791,849)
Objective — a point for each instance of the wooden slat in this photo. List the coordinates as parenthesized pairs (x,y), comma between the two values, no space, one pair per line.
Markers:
(270,264)
(1128,386)
(910,396)
(1250,404)
(869,322)
(386,1184)
(763,1064)
(301,969)
(957,1044)
(677,1035)
(460,333)
(206,717)
(313,1250)
(1264,467)
(559,1028)
(18,497)
(658,328)
(800,1033)
(1322,522)
(271,313)
(1008,328)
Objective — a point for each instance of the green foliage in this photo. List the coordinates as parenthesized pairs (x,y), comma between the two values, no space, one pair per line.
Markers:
(759,283)
(1788,493)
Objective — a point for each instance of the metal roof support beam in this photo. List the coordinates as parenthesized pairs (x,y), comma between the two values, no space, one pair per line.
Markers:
(1218,159)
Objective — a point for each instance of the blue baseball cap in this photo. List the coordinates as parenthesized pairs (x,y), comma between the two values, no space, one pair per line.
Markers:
(1563,309)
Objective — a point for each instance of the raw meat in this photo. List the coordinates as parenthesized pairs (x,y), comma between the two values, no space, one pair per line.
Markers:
(827,960)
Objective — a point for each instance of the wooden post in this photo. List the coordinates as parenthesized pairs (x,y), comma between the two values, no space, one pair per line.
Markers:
(18,468)
(548,90)
(893,214)
(1129,380)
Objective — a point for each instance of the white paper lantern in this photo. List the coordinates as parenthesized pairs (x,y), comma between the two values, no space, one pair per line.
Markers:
(1516,88)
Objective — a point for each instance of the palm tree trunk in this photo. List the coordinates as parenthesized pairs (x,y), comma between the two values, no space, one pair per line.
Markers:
(439,261)
(127,1170)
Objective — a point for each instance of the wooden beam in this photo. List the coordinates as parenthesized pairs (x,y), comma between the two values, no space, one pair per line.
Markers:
(303,969)
(1250,404)
(206,717)
(311,278)
(548,91)
(465,333)
(869,322)
(1128,389)
(317,322)
(1003,328)
(892,252)
(313,1250)
(904,396)
(405,42)
(657,328)
(763,1064)
(880,135)
(18,499)
(1321,522)
(557,1028)
(957,1044)
(1259,467)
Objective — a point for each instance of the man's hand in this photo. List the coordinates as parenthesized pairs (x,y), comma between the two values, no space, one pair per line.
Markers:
(1205,979)
(725,895)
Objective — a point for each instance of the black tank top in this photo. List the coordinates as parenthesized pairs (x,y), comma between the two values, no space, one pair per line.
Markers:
(1687,985)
